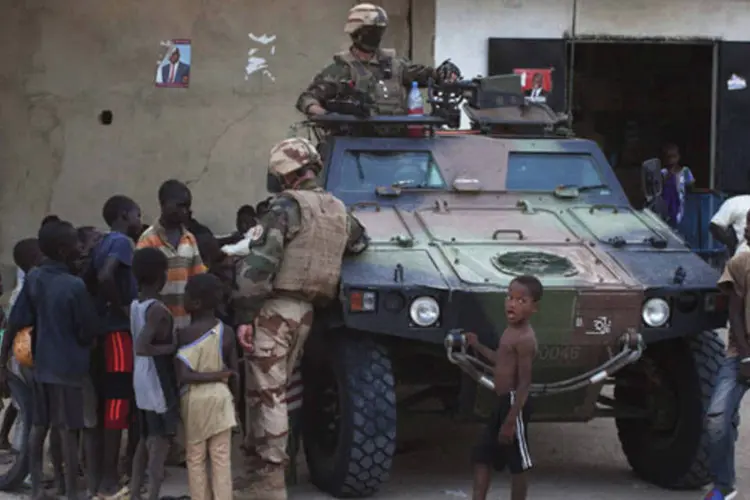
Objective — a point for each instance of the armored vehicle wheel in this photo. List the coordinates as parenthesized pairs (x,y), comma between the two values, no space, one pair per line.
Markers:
(674,380)
(349,414)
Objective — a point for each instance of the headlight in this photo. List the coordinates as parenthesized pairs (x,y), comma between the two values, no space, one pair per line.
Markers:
(655,312)
(424,311)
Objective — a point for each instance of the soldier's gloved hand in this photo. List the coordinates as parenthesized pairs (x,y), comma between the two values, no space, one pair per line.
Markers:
(448,72)
(245,337)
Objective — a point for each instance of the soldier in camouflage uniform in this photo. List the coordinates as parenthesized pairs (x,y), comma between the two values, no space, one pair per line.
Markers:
(294,264)
(374,71)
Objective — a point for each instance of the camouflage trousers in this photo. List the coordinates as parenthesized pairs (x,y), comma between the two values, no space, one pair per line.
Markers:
(281,328)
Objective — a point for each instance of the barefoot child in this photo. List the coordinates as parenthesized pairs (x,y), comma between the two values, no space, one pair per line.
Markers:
(205,362)
(154,381)
(504,441)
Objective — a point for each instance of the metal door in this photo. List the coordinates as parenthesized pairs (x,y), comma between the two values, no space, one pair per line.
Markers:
(733,112)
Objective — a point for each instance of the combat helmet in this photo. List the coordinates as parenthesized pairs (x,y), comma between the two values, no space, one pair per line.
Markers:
(293,154)
(366,25)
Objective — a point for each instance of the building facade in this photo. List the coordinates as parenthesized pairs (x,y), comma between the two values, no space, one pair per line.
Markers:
(82,116)
(610,64)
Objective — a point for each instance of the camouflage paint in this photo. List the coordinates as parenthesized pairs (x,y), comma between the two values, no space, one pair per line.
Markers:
(440,243)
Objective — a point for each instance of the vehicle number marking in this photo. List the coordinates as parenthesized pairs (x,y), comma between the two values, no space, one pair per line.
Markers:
(600,326)
(558,353)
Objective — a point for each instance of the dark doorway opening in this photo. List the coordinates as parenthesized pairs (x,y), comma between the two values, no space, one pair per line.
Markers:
(633,98)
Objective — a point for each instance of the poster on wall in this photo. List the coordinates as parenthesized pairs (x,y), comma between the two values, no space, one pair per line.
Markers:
(173,69)
(536,83)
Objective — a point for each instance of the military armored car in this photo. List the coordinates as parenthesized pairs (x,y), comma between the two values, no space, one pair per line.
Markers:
(626,328)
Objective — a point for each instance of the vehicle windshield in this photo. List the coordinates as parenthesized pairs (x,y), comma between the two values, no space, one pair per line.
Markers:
(547,171)
(364,171)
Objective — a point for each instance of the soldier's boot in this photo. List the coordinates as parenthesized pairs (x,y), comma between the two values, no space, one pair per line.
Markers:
(251,465)
(267,483)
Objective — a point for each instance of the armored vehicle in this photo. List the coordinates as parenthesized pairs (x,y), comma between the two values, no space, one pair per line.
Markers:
(625,327)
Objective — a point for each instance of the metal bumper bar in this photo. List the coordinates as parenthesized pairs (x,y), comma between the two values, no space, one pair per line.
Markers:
(632,347)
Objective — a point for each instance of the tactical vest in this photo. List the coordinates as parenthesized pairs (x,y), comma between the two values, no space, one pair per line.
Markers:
(311,268)
(388,94)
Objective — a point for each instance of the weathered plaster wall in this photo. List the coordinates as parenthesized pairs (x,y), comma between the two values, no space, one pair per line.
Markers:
(62,63)
(722,19)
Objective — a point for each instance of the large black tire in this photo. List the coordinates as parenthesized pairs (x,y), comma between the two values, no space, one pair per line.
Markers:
(349,414)
(14,476)
(680,381)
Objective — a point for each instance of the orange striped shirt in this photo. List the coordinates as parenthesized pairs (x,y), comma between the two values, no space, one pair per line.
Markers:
(184,261)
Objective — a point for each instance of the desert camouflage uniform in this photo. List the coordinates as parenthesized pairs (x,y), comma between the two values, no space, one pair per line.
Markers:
(385,78)
(282,316)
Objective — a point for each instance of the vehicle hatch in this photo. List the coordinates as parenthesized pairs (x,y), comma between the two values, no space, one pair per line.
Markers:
(610,223)
(492,246)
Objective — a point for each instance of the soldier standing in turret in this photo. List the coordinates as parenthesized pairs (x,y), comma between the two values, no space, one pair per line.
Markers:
(374,71)
(294,264)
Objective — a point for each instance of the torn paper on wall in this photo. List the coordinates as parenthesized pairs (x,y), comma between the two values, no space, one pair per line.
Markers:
(736,82)
(258,57)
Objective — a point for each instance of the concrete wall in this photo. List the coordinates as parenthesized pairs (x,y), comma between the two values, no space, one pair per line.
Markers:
(464,26)
(62,63)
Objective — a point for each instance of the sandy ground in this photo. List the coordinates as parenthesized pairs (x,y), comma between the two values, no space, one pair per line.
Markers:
(571,461)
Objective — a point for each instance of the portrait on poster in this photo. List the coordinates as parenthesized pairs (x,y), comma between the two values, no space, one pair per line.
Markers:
(173,70)
(536,83)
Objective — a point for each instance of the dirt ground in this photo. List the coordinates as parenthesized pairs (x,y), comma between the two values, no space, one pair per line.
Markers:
(570,461)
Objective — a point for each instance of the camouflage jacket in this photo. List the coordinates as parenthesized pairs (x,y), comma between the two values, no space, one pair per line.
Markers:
(257,271)
(325,85)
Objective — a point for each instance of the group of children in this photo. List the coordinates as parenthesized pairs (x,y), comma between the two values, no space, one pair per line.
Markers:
(99,312)
(143,323)
(123,338)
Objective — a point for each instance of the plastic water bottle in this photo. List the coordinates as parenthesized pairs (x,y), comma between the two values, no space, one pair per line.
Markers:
(415,107)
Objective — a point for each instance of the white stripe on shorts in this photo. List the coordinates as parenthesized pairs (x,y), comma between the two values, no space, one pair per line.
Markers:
(523,446)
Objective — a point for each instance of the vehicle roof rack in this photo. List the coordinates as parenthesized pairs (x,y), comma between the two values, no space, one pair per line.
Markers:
(534,119)
(495,106)
(376,125)
(500,108)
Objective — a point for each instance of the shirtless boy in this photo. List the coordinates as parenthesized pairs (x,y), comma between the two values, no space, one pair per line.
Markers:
(504,441)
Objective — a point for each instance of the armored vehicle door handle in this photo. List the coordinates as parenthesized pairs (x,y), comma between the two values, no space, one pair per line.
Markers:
(508,231)
(599,207)
(363,204)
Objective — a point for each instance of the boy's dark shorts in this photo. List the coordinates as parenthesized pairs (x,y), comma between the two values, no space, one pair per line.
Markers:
(515,456)
(68,407)
(116,391)
(152,424)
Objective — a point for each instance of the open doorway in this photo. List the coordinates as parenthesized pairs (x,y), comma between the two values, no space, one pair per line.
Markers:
(633,98)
